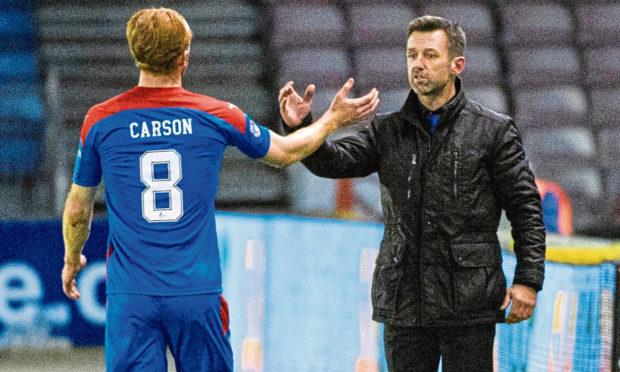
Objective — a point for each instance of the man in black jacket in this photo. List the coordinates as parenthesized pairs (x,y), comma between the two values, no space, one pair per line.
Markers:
(447,167)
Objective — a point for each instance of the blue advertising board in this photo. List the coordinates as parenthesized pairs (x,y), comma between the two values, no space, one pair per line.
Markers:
(299,297)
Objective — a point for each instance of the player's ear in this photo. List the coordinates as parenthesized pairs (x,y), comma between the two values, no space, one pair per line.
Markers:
(457,65)
(183,59)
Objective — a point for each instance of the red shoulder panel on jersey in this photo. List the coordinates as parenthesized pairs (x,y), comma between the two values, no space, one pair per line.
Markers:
(142,98)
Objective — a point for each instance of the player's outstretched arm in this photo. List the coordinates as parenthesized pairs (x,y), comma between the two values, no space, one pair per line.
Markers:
(75,230)
(284,151)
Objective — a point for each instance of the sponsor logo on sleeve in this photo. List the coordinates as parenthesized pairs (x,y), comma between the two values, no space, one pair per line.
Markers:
(254,129)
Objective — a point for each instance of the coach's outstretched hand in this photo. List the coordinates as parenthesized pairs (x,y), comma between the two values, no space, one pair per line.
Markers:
(347,111)
(69,272)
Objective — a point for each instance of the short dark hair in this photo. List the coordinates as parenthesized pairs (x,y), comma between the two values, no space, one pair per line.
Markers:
(456,35)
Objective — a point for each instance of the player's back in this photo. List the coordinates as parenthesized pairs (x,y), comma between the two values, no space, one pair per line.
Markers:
(159,151)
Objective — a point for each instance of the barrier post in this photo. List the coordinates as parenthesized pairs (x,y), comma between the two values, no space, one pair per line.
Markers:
(368,360)
(615,356)
(252,354)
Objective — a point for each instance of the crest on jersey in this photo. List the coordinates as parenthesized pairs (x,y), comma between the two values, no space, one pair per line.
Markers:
(254,128)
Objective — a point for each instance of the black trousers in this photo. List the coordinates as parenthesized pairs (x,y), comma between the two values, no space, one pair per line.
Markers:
(418,349)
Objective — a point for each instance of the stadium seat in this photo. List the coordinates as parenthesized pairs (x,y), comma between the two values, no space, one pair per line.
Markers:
(7,5)
(321,100)
(16,127)
(576,176)
(392,100)
(583,184)
(253,99)
(602,66)
(326,68)
(381,68)
(18,66)
(536,24)
(605,108)
(26,106)
(482,67)
(475,19)
(609,139)
(544,66)
(307,26)
(16,31)
(559,142)
(18,157)
(88,22)
(597,25)
(550,106)
(612,181)
(491,97)
(381,24)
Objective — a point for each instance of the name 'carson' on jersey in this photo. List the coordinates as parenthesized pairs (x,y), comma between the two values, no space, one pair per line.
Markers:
(158,128)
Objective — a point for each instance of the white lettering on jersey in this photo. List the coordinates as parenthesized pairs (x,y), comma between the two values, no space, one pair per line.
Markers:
(132,126)
(158,128)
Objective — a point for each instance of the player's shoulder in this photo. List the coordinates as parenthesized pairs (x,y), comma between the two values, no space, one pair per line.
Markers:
(226,111)
(99,112)
(106,108)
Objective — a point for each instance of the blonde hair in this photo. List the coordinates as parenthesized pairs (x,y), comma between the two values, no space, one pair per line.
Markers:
(157,38)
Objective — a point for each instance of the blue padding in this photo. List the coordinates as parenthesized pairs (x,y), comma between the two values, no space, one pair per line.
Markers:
(13,88)
(17,43)
(12,127)
(14,23)
(19,66)
(18,157)
(26,106)
(23,5)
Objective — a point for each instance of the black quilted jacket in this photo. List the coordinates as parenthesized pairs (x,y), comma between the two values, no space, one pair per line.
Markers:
(442,195)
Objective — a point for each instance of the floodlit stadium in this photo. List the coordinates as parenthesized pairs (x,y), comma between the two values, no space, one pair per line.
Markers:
(298,252)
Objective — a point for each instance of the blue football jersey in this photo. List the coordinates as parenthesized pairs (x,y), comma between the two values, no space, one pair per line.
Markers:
(159,151)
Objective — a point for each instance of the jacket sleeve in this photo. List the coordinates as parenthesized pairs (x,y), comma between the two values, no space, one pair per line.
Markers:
(351,156)
(515,186)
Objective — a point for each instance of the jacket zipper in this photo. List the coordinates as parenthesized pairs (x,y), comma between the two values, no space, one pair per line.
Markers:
(456,176)
(413,163)
(422,181)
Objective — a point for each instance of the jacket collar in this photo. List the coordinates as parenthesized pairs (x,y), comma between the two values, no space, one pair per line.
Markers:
(414,107)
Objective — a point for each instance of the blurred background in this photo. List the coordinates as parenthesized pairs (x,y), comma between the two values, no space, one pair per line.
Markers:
(554,66)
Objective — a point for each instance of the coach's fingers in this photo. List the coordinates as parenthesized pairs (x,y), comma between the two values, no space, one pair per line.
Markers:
(309,93)
(283,101)
(286,90)
(507,299)
(346,88)
(365,99)
(368,107)
(512,319)
(371,108)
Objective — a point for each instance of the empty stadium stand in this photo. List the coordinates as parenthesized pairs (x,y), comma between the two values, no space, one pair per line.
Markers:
(554,66)
(84,53)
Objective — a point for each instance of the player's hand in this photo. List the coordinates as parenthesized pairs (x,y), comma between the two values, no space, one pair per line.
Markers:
(69,272)
(293,108)
(523,303)
(349,111)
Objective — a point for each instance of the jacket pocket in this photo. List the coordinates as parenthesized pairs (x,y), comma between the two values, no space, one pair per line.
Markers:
(386,280)
(479,282)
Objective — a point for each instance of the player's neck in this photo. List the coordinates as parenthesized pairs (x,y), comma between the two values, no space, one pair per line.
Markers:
(149,80)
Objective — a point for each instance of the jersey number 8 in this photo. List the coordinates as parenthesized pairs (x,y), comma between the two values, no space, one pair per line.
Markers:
(161,187)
